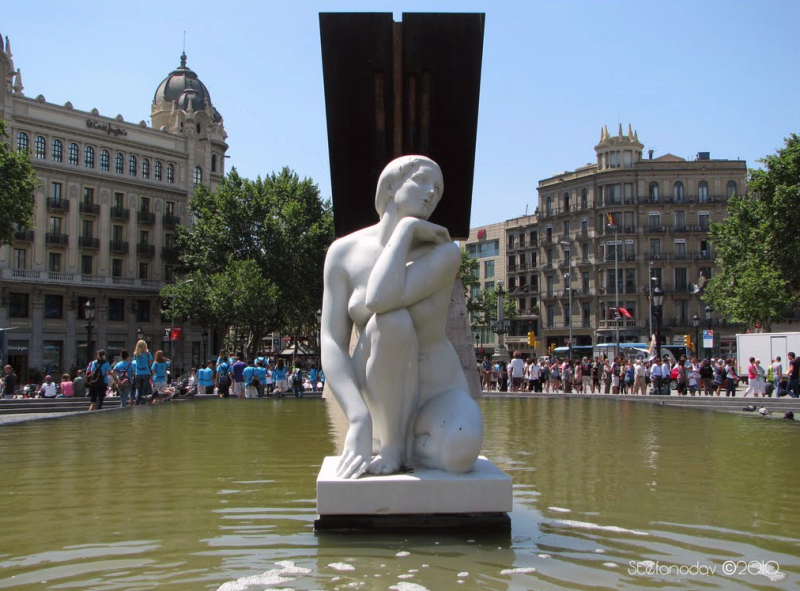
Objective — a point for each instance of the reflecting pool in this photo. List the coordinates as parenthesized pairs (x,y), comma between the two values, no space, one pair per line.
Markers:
(219,495)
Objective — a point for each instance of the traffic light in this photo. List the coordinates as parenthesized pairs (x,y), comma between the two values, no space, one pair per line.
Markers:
(687,340)
(531,338)
(551,348)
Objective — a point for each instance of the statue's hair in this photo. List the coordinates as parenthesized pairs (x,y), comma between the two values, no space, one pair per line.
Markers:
(397,172)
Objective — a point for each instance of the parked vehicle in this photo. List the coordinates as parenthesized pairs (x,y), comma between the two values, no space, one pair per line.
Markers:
(765,346)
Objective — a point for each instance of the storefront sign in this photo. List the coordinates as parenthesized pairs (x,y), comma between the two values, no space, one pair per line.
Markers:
(115,131)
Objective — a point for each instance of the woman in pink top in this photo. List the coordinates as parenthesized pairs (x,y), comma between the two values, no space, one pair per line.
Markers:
(752,378)
(66,386)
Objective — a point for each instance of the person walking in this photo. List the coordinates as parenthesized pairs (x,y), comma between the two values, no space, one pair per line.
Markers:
(99,371)
(516,368)
(752,378)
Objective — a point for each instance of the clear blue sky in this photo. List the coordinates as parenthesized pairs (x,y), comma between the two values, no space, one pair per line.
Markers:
(715,75)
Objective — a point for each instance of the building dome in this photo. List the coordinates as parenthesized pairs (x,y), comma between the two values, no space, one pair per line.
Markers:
(185,89)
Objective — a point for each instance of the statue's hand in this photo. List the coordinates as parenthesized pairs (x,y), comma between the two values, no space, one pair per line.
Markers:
(357,452)
(424,231)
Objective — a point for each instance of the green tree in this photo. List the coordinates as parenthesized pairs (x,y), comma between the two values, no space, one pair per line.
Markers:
(759,279)
(255,254)
(18,181)
(481,304)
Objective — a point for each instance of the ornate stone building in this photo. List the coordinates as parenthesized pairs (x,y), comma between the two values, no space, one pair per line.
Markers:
(111,196)
(610,231)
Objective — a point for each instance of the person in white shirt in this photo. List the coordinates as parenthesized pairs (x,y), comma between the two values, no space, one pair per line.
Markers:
(48,389)
(516,371)
(666,376)
(639,385)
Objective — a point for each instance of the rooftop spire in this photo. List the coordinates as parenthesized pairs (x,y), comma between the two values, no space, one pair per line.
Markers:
(183,59)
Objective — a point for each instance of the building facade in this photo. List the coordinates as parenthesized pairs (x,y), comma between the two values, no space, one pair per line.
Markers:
(608,233)
(111,196)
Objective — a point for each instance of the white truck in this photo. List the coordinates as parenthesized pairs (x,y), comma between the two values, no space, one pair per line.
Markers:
(765,346)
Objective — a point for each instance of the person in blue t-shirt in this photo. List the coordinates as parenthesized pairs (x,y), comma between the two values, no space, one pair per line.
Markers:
(261,374)
(248,373)
(223,379)
(313,377)
(160,367)
(124,377)
(205,378)
(279,375)
(143,360)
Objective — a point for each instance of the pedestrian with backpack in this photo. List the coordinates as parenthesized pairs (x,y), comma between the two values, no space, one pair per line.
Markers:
(122,378)
(98,374)
(223,379)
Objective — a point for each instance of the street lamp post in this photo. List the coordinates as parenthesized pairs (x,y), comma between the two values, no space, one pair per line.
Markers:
(658,302)
(204,337)
(709,319)
(501,326)
(613,225)
(696,324)
(89,311)
(139,334)
(568,281)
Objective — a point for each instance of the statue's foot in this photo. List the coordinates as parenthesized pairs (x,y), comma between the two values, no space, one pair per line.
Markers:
(388,461)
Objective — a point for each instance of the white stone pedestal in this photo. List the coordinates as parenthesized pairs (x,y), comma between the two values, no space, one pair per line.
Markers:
(422,498)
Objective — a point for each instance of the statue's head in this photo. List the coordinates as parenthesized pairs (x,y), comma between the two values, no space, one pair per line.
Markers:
(398,172)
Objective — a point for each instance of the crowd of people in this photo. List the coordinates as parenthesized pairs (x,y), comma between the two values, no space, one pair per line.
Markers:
(146,378)
(620,375)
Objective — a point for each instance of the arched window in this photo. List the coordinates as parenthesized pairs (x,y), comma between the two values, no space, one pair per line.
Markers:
(118,163)
(654,191)
(41,147)
(22,142)
(105,160)
(565,202)
(213,163)
(88,157)
(170,173)
(702,192)
(198,175)
(58,151)
(730,190)
(132,166)
(145,168)
(158,170)
(73,153)
(677,191)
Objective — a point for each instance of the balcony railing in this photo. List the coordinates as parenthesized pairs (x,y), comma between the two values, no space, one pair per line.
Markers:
(88,242)
(170,221)
(26,235)
(118,246)
(89,208)
(59,239)
(146,217)
(57,204)
(145,249)
(120,213)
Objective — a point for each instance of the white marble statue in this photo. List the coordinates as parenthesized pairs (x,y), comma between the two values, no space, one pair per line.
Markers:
(403,389)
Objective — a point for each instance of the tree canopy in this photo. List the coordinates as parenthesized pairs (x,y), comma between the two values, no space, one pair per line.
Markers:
(759,276)
(18,181)
(255,255)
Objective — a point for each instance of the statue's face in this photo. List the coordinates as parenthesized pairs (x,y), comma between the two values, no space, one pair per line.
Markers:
(420,193)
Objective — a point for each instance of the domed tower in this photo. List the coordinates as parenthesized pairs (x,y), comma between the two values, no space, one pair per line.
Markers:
(182,105)
(619,151)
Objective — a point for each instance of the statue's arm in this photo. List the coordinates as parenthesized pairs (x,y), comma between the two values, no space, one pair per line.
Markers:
(397,283)
(335,331)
